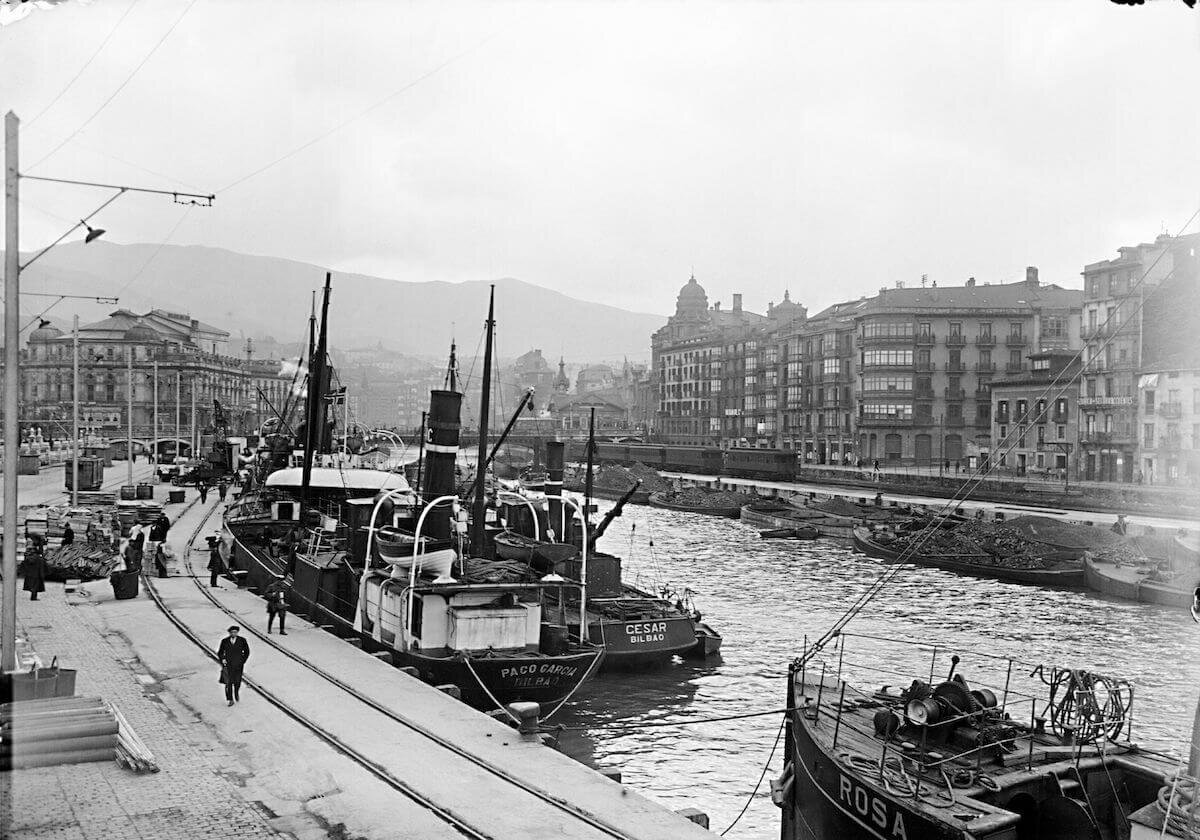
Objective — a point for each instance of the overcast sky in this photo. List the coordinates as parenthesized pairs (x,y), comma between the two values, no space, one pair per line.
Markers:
(605,149)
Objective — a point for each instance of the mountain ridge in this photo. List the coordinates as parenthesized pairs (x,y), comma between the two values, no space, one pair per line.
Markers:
(263,296)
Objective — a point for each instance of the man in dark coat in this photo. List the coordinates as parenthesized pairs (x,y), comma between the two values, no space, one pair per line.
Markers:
(158,537)
(68,535)
(35,566)
(215,564)
(276,596)
(203,488)
(232,654)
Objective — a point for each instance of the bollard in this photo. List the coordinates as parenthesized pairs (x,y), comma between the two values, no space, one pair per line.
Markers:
(385,656)
(450,689)
(526,713)
(694,815)
(611,773)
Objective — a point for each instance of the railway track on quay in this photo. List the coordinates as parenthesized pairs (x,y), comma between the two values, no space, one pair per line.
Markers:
(539,809)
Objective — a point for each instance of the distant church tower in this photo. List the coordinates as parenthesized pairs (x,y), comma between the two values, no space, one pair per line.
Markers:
(561,383)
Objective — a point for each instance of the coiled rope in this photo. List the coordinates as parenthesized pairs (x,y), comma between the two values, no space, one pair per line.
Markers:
(1177,803)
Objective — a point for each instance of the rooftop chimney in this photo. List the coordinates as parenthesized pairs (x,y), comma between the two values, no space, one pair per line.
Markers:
(1031,275)
(737,302)
(970,282)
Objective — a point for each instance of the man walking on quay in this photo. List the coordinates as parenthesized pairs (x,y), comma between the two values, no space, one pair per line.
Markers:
(232,654)
(222,489)
(215,564)
(276,603)
(203,488)
(35,566)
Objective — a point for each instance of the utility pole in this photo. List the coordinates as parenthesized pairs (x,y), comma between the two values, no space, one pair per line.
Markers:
(12,380)
(178,403)
(154,444)
(193,434)
(129,415)
(75,412)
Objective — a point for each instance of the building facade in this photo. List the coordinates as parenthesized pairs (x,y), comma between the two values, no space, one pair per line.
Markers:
(1035,425)
(926,358)
(1119,295)
(1168,383)
(171,366)
(820,385)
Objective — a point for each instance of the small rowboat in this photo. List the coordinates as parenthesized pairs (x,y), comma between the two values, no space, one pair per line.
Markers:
(434,557)
(804,532)
(541,555)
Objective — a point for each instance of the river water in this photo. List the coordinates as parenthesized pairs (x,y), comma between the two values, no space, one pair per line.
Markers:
(764,596)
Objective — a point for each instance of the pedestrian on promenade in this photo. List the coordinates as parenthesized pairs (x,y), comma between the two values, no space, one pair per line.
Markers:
(276,596)
(158,536)
(68,535)
(35,566)
(135,548)
(232,654)
(958,467)
(215,566)
(203,488)
(222,489)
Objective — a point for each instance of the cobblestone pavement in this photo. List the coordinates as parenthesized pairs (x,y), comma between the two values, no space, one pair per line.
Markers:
(195,795)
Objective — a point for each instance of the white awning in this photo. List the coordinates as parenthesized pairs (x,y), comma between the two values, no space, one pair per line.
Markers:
(331,478)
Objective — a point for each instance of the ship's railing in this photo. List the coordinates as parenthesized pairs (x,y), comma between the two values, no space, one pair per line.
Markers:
(1081,708)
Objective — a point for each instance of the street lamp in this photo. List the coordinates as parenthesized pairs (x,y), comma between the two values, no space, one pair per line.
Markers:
(12,348)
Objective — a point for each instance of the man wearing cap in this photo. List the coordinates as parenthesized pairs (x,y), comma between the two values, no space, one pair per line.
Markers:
(233,653)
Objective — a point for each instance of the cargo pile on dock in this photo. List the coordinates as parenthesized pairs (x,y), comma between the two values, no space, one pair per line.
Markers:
(70,730)
(81,561)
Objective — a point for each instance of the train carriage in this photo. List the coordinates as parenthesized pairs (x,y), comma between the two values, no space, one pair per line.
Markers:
(771,464)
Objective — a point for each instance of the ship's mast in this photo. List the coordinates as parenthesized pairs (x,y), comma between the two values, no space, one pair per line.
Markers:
(315,425)
(478,509)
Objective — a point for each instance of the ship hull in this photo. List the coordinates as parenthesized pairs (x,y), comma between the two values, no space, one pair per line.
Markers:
(509,679)
(829,802)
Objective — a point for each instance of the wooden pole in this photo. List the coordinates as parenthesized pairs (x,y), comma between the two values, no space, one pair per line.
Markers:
(75,413)
(12,381)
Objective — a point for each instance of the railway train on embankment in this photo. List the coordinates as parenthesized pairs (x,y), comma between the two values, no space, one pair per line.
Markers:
(770,464)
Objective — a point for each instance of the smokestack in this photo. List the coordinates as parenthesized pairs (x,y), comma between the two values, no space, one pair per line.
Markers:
(441,451)
(1031,275)
(554,482)
(737,302)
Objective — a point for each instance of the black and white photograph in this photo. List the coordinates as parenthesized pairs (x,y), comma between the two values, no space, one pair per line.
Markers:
(600,420)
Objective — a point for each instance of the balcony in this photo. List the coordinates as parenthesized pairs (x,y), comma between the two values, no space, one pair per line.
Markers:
(904,393)
(1099,331)
(924,366)
(926,340)
(1100,438)
(903,339)
(985,367)
(1170,410)
(1059,417)
(1105,401)
(988,340)
(1016,340)
(923,394)
(959,340)
(866,420)
(1014,367)
(956,394)
(956,367)
(982,392)
(1001,418)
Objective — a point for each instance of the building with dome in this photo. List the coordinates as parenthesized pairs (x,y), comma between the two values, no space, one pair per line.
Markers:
(190,360)
(717,371)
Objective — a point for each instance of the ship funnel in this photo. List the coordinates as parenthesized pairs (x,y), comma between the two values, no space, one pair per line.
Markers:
(441,452)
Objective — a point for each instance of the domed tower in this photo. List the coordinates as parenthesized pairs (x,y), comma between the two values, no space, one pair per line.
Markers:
(45,332)
(141,334)
(692,303)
